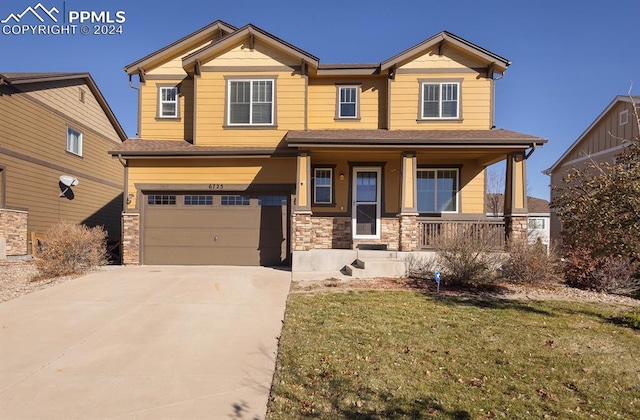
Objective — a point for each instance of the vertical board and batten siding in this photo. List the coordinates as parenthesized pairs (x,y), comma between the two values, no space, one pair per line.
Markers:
(323,102)
(238,62)
(39,135)
(226,172)
(154,128)
(475,91)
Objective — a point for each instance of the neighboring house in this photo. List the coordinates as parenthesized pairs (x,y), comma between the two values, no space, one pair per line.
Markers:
(601,142)
(53,125)
(252,152)
(539,215)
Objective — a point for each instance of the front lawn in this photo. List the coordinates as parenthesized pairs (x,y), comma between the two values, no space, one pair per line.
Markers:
(397,354)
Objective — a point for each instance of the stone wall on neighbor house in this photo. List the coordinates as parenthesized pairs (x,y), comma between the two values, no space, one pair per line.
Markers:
(13,227)
(131,238)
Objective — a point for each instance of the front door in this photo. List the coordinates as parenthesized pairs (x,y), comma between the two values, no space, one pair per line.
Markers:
(366,203)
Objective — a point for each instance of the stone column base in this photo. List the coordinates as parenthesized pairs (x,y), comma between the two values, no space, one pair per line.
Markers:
(409,234)
(302,231)
(517,228)
(13,227)
(131,238)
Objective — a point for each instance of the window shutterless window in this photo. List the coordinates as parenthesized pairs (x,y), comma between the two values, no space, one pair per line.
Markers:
(168,102)
(198,200)
(437,190)
(250,102)
(440,101)
(74,141)
(322,185)
(161,200)
(235,200)
(347,102)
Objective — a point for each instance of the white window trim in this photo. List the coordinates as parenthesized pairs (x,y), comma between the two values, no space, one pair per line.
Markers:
(378,203)
(623,117)
(439,84)
(251,123)
(161,102)
(80,141)
(357,105)
(330,186)
(457,170)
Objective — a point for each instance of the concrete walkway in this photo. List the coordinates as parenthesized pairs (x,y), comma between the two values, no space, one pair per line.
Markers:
(150,342)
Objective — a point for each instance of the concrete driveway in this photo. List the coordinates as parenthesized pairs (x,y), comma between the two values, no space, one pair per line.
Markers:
(144,342)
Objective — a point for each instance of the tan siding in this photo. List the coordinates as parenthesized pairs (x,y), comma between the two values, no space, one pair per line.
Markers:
(211,104)
(64,96)
(323,102)
(173,65)
(475,94)
(450,59)
(227,172)
(261,55)
(152,127)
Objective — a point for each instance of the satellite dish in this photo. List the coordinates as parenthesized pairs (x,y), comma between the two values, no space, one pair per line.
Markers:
(65,184)
(69,181)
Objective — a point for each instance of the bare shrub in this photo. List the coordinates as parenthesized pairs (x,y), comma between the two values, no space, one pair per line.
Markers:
(467,256)
(71,249)
(420,267)
(531,264)
(609,273)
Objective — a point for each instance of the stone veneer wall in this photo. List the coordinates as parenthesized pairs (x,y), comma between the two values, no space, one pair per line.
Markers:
(517,228)
(334,232)
(131,238)
(13,227)
(301,231)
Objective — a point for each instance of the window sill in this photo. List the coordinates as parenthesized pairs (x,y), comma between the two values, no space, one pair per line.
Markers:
(168,119)
(250,127)
(74,154)
(342,119)
(324,204)
(439,120)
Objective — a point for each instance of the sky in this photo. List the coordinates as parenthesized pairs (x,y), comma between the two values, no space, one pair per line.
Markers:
(569,59)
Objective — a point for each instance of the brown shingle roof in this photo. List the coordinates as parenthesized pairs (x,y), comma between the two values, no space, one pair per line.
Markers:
(140,147)
(534,204)
(412,137)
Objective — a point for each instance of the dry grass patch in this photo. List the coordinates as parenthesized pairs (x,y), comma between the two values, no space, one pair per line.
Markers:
(399,354)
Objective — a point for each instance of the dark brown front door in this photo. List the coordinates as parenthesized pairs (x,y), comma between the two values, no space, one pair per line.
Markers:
(225,229)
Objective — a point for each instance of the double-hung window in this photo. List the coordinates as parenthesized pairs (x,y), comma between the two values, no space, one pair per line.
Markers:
(323,186)
(168,102)
(347,102)
(250,102)
(440,100)
(437,190)
(74,141)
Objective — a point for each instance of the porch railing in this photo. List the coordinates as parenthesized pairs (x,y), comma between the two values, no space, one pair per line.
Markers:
(433,232)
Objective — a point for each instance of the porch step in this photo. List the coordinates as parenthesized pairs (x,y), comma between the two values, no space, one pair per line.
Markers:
(376,267)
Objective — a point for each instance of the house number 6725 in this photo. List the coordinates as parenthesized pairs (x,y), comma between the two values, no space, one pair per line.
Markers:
(216,186)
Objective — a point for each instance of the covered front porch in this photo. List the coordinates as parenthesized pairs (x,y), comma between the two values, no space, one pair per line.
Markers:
(402,191)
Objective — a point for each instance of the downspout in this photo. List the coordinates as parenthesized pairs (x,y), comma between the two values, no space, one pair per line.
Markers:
(125,188)
(132,86)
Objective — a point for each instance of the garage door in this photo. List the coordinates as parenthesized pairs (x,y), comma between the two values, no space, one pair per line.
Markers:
(225,229)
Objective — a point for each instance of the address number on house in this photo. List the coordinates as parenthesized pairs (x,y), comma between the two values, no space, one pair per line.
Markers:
(216,186)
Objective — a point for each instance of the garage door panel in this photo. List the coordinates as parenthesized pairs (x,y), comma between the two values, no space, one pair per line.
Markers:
(215,234)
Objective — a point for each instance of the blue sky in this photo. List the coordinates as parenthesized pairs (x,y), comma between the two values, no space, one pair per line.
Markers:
(570,59)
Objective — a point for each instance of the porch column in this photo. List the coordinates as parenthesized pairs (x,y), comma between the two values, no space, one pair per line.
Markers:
(301,227)
(516,212)
(130,238)
(409,204)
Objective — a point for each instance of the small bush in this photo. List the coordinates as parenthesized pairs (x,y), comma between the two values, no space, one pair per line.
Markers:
(420,267)
(467,257)
(531,264)
(607,273)
(71,249)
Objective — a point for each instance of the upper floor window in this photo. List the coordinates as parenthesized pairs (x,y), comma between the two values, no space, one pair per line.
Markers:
(437,190)
(322,185)
(168,105)
(347,102)
(440,100)
(623,117)
(250,102)
(74,141)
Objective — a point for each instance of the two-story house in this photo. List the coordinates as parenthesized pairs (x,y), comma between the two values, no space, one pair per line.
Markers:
(55,125)
(251,151)
(602,141)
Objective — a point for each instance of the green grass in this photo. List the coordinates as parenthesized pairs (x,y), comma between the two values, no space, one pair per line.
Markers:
(395,355)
